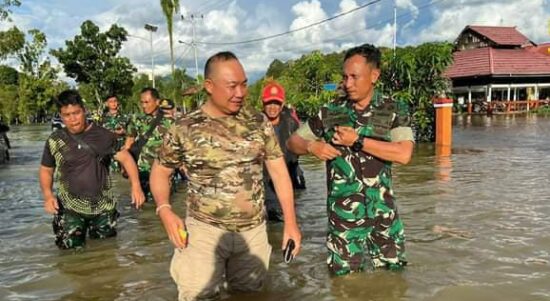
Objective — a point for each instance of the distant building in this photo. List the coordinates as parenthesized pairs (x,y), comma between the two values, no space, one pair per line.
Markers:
(499,64)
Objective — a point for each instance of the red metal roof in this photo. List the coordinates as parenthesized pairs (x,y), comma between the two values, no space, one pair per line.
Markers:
(490,61)
(505,36)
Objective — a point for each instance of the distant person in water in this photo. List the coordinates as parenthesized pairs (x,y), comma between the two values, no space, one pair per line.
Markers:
(285,122)
(78,155)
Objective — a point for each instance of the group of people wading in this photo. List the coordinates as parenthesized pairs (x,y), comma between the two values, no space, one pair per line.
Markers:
(241,168)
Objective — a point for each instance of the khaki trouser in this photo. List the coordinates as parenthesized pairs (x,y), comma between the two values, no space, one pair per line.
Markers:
(214,256)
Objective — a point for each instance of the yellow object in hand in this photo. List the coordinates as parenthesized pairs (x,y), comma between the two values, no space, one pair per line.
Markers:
(183,234)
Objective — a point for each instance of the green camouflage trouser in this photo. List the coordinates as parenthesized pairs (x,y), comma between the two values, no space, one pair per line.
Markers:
(364,220)
(70,227)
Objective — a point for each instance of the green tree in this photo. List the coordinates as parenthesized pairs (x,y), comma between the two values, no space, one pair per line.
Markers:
(92,58)
(8,75)
(11,41)
(37,81)
(169,9)
(5,8)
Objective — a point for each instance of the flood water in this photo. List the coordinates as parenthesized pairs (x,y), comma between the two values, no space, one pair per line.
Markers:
(477,225)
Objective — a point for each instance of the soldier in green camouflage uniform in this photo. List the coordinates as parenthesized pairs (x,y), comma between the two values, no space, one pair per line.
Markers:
(222,146)
(116,122)
(359,136)
(139,125)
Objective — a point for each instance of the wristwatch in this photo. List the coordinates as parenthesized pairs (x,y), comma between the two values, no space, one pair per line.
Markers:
(357,146)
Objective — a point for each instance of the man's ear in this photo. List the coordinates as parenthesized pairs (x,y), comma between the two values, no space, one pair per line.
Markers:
(208,85)
(375,74)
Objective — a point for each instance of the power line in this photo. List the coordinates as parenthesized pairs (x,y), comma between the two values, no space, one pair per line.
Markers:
(293,30)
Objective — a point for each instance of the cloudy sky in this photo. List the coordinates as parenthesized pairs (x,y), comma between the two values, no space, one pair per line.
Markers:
(228,21)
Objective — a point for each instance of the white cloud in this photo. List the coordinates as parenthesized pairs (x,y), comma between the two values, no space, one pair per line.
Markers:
(451,17)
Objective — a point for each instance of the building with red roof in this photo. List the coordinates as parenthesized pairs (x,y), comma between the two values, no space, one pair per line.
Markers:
(494,63)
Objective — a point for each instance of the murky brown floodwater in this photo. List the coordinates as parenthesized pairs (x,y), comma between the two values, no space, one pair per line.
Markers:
(478,228)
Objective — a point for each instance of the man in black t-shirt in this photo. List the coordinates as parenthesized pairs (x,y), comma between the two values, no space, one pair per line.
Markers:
(78,156)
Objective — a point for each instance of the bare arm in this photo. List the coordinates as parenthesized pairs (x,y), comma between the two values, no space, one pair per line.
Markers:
(128,142)
(320,149)
(283,186)
(45,175)
(124,157)
(160,187)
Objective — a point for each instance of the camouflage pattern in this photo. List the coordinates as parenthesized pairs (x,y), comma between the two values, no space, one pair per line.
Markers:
(361,207)
(138,126)
(223,158)
(70,227)
(114,123)
(105,201)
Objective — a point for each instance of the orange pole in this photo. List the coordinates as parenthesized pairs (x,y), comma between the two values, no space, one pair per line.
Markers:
(443,121)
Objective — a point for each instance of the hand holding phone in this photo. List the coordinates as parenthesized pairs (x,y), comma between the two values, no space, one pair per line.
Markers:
(287,252)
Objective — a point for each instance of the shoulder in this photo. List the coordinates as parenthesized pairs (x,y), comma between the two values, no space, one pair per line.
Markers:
(252,115)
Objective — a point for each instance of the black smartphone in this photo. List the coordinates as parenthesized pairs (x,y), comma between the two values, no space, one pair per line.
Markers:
(287,252)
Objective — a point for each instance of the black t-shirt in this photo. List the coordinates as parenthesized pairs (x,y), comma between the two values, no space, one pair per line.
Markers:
(80,172)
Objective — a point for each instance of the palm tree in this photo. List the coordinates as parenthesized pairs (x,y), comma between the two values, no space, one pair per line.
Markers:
(170,8)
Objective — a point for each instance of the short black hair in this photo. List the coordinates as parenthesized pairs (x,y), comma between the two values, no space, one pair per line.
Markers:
(371,54)
(154,92)
(68,97)
(110,96)
(218,57)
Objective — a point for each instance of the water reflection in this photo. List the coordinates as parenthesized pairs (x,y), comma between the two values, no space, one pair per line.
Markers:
(476,222)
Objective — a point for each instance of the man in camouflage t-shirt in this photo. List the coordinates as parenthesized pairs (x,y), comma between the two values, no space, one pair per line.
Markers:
(359,136)
(222,147)
(139,126)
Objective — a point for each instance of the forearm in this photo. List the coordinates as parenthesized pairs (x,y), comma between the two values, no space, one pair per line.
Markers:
(129,165)
(398,152)
(128,143)
(159,181)
(283,187)
(298,145)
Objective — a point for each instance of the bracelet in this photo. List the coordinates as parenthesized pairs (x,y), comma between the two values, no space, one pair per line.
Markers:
(162,206)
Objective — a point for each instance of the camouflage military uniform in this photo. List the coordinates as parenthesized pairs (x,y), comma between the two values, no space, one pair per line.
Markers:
(360,204)
(138,126)
(114,123)
(223,158)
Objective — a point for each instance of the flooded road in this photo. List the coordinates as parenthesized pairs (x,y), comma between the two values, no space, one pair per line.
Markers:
(477,226)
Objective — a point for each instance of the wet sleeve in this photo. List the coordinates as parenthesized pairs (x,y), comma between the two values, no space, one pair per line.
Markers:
(171,153)
(272,147)
(401,128)
(48,159)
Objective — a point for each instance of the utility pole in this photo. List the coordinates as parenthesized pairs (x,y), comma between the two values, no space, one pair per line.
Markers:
(152,28)
(193,18)
(394,29)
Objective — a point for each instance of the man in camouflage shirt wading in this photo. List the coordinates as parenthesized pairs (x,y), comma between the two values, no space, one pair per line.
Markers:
(222,147)
(359,136)
(139,126)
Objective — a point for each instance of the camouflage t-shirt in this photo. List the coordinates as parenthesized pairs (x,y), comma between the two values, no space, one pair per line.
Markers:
(138,126)
(383,119)
(223,158)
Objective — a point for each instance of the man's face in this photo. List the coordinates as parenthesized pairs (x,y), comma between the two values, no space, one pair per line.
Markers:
(273,109)
(148,103)
(112,103)
(74,118)
(359,78)
(227,87)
